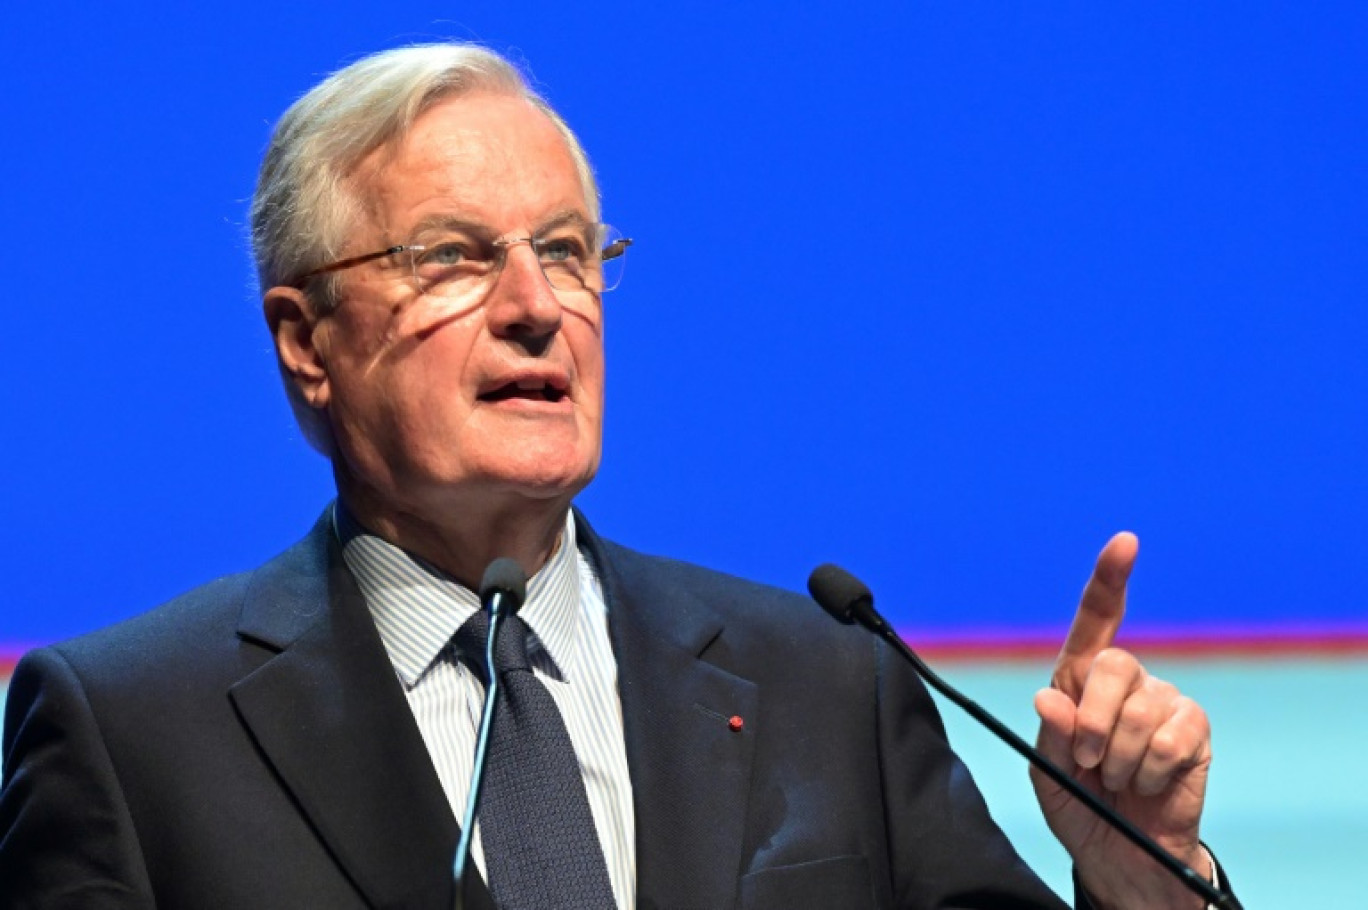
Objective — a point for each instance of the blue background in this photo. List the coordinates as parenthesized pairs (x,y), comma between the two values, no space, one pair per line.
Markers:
(947,292)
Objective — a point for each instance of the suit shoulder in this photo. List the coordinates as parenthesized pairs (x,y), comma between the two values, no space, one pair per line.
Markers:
(153,638)
(185,634)
(760,614)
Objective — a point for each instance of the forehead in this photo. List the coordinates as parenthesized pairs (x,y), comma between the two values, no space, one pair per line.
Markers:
(492,158)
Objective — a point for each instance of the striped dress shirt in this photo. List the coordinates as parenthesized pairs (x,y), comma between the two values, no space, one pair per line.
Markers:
(417,609)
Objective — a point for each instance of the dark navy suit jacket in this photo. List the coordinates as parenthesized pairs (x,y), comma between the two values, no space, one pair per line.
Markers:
(249,746)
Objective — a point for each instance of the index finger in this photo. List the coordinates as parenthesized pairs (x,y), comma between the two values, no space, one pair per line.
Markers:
(1103,604)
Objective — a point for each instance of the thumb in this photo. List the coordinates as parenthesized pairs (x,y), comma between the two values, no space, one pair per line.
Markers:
(1058,718)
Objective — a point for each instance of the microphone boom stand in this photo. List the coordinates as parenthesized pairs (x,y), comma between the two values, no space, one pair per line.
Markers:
(834,594)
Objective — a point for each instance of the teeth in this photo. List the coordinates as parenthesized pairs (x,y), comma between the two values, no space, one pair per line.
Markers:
(527,388)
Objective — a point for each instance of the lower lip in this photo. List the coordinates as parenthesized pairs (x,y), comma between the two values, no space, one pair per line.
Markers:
(530,405)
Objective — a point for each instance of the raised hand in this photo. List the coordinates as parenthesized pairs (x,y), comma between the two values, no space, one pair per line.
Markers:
(1132,739)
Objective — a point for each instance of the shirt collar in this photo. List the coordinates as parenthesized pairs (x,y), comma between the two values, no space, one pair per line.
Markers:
(417,607)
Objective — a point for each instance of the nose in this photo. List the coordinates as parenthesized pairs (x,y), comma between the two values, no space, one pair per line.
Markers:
(522,305)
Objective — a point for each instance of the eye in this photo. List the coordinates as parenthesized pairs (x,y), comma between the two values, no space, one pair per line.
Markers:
(445,253)
(568,248)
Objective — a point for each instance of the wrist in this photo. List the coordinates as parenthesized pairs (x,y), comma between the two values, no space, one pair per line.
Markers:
(1145,885)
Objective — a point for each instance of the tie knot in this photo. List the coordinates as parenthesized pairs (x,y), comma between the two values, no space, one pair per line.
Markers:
(510,651)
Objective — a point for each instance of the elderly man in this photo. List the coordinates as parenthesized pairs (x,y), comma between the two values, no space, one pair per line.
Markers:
(433,261)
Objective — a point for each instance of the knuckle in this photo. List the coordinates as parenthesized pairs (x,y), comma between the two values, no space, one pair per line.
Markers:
(1191,712)
(1116,662)
(1166,747)
(1139,714)
(1162,688)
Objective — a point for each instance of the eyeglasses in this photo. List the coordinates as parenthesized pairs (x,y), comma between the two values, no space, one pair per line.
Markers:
(459,262)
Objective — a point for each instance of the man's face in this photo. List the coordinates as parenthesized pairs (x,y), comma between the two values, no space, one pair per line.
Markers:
(432,403)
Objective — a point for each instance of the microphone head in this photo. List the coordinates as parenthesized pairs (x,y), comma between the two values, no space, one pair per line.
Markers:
(504,576)
(838,592)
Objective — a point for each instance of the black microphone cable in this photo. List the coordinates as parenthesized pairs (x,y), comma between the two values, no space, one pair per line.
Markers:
(845,597)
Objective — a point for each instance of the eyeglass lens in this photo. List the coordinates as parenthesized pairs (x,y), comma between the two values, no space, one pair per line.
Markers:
(576,259)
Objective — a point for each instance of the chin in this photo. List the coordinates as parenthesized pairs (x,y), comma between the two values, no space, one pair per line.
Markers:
(544,477)
(552,485)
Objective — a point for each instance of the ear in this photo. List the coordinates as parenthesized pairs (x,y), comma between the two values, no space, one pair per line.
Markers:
(294,326)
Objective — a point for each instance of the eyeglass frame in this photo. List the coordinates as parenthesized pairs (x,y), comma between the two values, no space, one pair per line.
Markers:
(612,251)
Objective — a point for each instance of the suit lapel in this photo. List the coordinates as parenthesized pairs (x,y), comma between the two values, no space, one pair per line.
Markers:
(690,770)
(331,718)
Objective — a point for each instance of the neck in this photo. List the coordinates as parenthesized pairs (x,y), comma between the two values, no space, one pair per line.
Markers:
(462,535)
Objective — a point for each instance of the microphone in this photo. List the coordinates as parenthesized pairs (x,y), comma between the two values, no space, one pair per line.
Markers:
(845,597)
(502,592)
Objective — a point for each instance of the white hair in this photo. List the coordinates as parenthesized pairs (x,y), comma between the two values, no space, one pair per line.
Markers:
(303,208)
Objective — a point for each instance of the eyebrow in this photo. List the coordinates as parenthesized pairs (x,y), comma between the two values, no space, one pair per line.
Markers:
(479,229)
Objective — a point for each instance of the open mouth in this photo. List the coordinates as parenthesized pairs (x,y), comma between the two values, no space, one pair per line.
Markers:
(527,389)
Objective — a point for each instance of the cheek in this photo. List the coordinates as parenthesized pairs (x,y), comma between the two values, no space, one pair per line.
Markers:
(427,357)
(422,317)
(407,393)
(378,316)
(586,347)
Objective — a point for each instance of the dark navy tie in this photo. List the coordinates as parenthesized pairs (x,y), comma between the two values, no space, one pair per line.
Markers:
(541,848)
